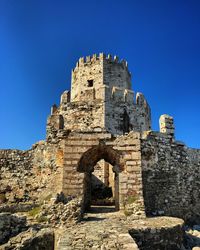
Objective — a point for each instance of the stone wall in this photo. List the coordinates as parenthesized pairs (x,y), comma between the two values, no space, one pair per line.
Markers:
(91,74)
(153,170)
(123,117)
(15,168)
(87,78)
(83,116)
(104,173)
(112,115)
(49,168)
(116,73)
(170,177)
(102,183)
(101,172)
(158,233)
(31,175)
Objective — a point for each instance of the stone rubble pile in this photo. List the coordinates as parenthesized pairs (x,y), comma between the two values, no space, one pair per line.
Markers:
(11,225)
(33,238)
(17,207)
(61,213)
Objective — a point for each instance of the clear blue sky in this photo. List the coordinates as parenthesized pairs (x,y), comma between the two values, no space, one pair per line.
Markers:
(40,42)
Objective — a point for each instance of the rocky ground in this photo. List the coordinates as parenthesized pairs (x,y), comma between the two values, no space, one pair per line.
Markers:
(32,239)
(102,228)
(35,228)
(60,222)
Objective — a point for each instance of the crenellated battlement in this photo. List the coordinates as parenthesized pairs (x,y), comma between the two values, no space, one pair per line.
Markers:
(122,95)
(93,72)
(140,99)
(115,59)
(101,57)
(106,93)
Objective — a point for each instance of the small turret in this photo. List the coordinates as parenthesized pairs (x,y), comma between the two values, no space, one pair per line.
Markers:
(166,124)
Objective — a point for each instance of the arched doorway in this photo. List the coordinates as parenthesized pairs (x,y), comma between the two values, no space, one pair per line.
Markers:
(103,184)
(89,164)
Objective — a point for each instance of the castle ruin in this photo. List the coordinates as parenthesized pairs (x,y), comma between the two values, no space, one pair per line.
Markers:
(99,145)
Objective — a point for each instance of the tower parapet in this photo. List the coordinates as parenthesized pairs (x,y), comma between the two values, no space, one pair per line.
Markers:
(93,72)
(83,61)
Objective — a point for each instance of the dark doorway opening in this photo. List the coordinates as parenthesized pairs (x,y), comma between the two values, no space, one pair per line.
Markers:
(101,165)
(102,184)
(101,192)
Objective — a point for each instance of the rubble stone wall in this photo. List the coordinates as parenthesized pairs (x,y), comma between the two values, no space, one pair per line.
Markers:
(15,166)
(170,177)
(113,116)
(84,116)
(30,175)
(121,117)
(158,233)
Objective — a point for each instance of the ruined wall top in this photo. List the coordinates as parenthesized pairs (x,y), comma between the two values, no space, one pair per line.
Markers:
(96,75)
(84,61)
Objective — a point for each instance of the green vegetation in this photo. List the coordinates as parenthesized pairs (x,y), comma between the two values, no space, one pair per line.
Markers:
(132,199)
(41,219)
(127,213)
(34,211)
(2,198)
(48,197)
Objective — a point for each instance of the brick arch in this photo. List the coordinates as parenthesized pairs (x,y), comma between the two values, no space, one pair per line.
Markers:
(87,163)
(93,155)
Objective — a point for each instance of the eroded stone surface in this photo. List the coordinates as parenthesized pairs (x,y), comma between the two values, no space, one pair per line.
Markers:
(104,229)
(11,225)
(32,239)
(60,214)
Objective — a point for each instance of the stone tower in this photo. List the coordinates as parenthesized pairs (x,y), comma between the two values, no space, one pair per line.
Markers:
(101,99)
(94,76)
